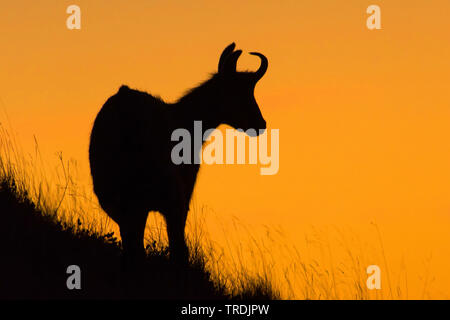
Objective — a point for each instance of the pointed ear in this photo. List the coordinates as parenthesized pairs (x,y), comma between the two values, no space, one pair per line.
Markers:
(225,54)
(231,62)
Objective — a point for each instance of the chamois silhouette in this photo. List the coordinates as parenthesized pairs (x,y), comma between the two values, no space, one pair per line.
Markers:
(130,149)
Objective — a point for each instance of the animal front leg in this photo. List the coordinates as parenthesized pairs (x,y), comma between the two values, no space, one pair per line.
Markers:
(132,232)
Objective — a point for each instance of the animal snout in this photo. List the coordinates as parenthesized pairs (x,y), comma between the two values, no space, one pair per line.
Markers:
(256,129)
(262,127)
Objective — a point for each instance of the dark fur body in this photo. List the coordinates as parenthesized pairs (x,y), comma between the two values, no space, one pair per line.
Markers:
(130,154)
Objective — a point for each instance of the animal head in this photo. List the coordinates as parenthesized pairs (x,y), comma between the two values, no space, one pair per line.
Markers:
(238,104)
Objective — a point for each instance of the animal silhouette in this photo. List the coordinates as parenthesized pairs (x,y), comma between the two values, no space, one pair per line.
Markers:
(130,149)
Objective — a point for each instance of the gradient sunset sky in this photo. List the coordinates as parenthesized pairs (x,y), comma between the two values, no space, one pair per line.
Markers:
(363,115)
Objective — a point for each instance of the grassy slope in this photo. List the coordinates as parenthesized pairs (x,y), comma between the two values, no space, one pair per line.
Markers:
(36,250)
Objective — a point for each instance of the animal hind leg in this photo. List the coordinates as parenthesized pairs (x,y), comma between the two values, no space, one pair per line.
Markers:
(176,223)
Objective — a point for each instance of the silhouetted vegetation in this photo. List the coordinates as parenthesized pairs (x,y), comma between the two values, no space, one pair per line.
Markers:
(44,228)
(37,248)
(39,240)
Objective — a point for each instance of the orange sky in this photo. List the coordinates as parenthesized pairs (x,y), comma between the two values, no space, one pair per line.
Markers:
(363,115)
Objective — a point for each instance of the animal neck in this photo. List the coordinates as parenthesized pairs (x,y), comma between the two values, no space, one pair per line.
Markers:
(199,104)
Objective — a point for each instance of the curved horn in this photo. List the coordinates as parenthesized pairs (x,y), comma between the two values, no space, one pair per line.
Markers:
(225,54)
(264,64)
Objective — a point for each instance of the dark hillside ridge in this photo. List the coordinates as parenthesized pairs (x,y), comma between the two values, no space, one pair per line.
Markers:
(36,250)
